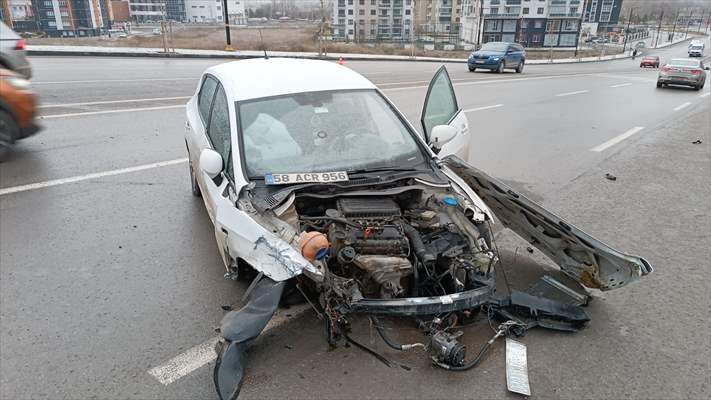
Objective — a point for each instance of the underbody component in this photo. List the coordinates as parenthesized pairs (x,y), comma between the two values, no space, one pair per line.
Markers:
(239,329)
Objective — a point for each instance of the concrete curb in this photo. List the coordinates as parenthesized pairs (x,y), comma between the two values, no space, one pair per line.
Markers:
(89,51)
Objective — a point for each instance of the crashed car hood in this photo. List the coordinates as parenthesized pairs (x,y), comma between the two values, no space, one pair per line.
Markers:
(586,259)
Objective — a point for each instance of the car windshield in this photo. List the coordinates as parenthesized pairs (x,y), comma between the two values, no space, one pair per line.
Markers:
(680,62)
(324,131)
(495,46)
(696,47)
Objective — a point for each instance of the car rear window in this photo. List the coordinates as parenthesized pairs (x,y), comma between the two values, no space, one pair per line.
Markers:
(680,62)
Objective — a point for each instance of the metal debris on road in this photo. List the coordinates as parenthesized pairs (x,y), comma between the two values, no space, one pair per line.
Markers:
(611,177)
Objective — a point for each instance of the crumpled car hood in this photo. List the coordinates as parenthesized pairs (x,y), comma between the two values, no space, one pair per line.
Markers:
(586,259)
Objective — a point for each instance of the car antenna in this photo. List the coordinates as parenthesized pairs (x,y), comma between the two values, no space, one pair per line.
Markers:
(261,40)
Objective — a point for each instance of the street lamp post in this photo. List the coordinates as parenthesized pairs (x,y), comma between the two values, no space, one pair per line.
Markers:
(688,22)
(627,31)
(676,17)
(659,29)
(225,17)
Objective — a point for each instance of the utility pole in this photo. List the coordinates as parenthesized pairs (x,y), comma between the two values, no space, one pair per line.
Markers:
(321,51)
(701,22)
(481,18)
(627,31)
(688,22)
(676,17)
(226,18)
(659,28)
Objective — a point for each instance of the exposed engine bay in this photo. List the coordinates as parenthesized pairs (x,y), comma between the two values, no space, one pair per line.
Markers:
(411,245)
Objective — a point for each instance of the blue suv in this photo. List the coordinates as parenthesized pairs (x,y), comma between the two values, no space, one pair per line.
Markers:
(496,56)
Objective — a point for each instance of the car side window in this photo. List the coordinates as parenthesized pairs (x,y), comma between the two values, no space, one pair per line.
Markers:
(219,128)
(440,103)
(207,92)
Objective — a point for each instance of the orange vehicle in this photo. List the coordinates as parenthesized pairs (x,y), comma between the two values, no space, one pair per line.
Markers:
(17,110)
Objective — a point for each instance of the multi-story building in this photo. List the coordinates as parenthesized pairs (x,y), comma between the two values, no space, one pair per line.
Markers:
(469,28)
(371,20)
(602,15)
(532,23)
(210,11)
(73,17)
(438,16)
(18,14)
(157,10)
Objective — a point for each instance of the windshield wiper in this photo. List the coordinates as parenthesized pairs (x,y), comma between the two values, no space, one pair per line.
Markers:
(385,169)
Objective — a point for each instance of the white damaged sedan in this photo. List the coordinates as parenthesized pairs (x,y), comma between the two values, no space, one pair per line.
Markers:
(313,178)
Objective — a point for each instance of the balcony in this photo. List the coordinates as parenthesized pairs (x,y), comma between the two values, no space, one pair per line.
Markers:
(566,15)
(501,15)
(513,2)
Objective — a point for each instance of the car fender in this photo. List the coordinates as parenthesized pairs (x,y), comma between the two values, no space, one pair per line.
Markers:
(259,245)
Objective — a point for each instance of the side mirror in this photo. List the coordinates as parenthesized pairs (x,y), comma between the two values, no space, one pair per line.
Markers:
(441,135)
(211,162)
(706,67)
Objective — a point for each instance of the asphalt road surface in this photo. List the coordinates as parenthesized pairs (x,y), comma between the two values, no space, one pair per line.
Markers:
(111,285)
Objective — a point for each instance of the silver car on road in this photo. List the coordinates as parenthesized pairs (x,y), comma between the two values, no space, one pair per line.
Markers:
(683,71)
(12,52)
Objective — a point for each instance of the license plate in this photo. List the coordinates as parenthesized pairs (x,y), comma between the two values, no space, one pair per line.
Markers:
(306,177)
(517,368)
(480,61)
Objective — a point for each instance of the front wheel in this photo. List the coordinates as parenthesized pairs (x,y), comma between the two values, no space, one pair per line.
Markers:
(659,84)
(8,131)
(500,68)
(519,68)
(472,69)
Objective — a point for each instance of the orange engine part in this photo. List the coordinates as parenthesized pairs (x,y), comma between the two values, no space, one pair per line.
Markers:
(313,245)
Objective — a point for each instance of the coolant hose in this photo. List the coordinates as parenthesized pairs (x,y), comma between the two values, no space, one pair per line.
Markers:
(391,343)
(416,241)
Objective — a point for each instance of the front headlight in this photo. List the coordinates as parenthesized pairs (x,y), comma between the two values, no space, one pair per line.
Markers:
(495,58)
(17,82)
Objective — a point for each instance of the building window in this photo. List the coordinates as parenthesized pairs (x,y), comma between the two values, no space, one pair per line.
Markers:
(372,2)
(372,12)
(361,12)
(52,23)
(509,37)
(553,25)
(538,24)
(48,4)
(494,11)
(50,13)
(492,25)
(350,3)
(509,25)
(536,38)
(350,12)
(525,10)
(539,11)
(567,40)
(361,2)
(407,12)
(570,25)
(551,39)
(350,31)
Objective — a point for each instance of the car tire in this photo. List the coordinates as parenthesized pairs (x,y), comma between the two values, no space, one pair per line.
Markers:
(500,68)
(472,69)
(194,187)
(659,84)
(8,131)
(519,68)
(656,65)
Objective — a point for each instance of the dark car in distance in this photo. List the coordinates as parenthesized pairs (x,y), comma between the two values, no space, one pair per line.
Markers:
(649,61)
(497,56)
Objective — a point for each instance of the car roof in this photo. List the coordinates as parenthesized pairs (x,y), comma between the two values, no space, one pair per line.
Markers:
(260,77)
(7,33)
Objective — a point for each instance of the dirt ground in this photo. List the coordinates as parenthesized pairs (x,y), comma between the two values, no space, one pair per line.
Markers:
(297,38)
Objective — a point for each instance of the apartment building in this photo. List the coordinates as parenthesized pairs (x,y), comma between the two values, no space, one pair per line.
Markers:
(73,17)
(371,20)
(602,15)
(469,27)
(532,23)
(210,11)
(438,16)
(157,10)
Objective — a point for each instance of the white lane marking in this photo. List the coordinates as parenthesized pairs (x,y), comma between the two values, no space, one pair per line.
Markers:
(204,353)
(80,114)
(682,106)
(483,108)
(616,139)
(705,94)
(621,85)
(571,93)
(114,80)
(461,82)
(79,178)
(92,103)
